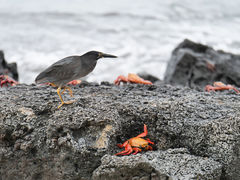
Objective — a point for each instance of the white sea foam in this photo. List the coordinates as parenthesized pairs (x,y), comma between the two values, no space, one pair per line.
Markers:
(142,33)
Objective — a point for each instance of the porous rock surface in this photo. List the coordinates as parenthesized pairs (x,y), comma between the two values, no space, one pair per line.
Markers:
(197,65)
(170,164)
(196,133)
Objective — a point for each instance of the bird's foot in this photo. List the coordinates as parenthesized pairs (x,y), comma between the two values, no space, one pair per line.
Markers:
(6,80)
(218,86)
(68,102)
(69,90)
(132,78)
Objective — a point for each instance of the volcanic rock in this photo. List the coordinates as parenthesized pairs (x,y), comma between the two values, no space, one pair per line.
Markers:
(9,69)
(197,65)
(196,133)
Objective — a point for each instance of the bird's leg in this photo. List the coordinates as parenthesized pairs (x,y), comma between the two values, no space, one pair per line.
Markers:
(63,91)
(69,89)
(59,94)
(52,84)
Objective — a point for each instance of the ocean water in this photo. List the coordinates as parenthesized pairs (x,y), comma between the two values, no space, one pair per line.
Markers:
(142,33)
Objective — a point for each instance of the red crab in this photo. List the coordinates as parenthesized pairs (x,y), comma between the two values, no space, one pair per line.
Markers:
(132,78)
(136,144)
(220,86)
(74,82)
(7,80)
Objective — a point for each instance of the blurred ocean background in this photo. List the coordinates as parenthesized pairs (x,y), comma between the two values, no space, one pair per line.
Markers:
(142,33)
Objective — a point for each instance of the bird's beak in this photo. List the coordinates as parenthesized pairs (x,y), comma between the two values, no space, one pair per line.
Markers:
(103,55)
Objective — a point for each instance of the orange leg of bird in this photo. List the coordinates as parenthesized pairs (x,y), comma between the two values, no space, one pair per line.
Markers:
(62,102)
(144,133)
(69,90)
(51,84)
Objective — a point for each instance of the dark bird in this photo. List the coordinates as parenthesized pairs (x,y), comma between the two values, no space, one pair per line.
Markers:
(68,69)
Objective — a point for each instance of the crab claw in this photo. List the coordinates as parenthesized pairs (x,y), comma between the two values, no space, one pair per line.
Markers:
(128,150)
(120,79)
(144,133)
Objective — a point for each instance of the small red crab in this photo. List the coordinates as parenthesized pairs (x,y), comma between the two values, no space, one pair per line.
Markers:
(136,144)
(220,86)
(7,80)
(74,82)
(132,78)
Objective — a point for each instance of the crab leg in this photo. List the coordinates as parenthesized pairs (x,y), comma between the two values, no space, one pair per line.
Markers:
(128,150)
(119,79)
(149,148)
(122,145)
(148,140)
(136,150)
(144,133)
(136,79)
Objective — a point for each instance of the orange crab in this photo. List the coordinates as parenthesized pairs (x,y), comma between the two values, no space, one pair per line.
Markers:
(132,78)
(220,86)
(7,80)
(136,144)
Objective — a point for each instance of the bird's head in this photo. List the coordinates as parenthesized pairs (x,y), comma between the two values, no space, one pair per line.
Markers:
(97,55)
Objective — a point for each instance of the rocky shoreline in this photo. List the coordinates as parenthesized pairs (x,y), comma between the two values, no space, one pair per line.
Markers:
(196,133)
(38,141)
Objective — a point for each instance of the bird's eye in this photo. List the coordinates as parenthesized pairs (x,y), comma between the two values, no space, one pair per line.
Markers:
(99,55)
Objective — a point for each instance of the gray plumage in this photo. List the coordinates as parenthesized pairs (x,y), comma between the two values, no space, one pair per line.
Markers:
(70,68)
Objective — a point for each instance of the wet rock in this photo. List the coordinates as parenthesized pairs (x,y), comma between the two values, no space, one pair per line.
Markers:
(196,65)
(9,69)
(38,141)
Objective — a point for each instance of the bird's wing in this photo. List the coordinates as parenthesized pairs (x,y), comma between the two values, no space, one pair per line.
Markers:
(59,71)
